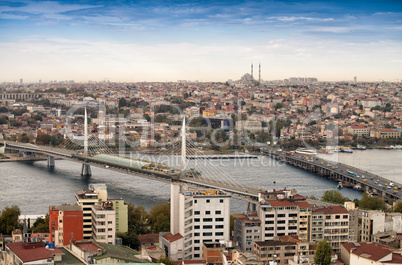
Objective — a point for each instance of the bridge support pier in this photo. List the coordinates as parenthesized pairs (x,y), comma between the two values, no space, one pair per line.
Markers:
(50,161)
(86,170)
(251,207)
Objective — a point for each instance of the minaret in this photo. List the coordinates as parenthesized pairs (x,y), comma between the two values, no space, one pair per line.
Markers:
(251,70)
(259,73)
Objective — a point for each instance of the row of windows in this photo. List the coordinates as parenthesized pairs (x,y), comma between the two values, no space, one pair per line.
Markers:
(207,212)
(208,227)
(282,215)
(208,201)
(209,234)
(208,220)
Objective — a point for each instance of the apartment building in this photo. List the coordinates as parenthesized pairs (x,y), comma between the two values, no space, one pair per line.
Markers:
(284,212)
(200,217)
(247,230)
(359,130)
(284,250)
(94,195)
(121,211)
(65,224)
(331,224)
(103,223)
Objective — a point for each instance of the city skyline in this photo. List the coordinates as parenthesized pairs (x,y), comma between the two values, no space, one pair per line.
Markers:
(203,40)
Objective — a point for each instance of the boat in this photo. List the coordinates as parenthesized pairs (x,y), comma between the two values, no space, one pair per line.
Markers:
(346,150)
(398,146)
(347,185)
(340,186)
(361,147)
(306,151)
(357,187)
(337,149)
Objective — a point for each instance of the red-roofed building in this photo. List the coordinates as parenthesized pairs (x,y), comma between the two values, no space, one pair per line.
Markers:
(30,253)
(385,133)
(369,253)
(173,245)
(359,130)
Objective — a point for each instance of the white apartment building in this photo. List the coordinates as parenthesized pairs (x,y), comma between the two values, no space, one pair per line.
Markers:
(95,194)
(198,216)
(103,223)
(283,213)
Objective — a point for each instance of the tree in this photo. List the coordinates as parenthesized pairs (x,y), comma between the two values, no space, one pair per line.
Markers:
(165,260)
(333,196)
(122,102)
(3,109)
(323,253)
(159,218)
(137,219)
(398,207)
(9,219)
(371,203)
(41,225)
(130,239)
(43,139)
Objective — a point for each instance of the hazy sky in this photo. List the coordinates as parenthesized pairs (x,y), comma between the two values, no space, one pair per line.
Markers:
(205,40)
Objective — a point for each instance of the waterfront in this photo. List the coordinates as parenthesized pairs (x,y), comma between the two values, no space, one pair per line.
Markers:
(34,187)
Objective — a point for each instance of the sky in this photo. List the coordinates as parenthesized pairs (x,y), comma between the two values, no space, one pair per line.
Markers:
(206,40)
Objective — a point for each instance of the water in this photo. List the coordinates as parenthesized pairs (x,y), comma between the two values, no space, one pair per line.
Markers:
(33,186)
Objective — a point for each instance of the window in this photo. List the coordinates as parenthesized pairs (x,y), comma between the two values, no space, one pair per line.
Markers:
(269,222)
(218,219)
(293,215)
(196,227)
(208,200)
(345,217)
(281,215)
(196,212)
(196,241)
(218,226)
(218,212)
(207,234)
(196,248)
(207,219)
(281,228)
(337,217)
(195,201)
(269,216)
(221,200)
(328,217)
(207,227)
(196,255)
(110,222)
(219,234)
(109,236)
(207,212)
(196,220)
(281,221)
(196,234)
(109,229)
(269,235)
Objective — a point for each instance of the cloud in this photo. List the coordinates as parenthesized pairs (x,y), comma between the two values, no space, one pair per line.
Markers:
(294,18)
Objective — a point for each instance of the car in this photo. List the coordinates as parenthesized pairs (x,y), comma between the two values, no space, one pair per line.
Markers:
(376,182)
(395,188)
(364,179)
(389,187)
(391,184)
(385,184)
(379,185)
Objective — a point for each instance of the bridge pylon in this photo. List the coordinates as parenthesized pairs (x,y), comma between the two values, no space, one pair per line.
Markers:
(50,161)
(86,170)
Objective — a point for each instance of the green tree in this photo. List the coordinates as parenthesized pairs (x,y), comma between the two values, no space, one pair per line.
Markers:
(165,260)
(371,203)
(323,253)
(9,219)
(3,120)
(43,139)
(137,219)
(159,218)
(24,138)
(130,239)
(333,196)
(3,109)
(122,102)
(398,207)
(41,225)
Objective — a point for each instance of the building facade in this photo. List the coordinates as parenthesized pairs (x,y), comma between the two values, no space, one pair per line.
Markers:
(65,224)
(103,223)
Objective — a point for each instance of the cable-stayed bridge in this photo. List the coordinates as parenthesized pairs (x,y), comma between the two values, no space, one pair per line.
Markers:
(170,165)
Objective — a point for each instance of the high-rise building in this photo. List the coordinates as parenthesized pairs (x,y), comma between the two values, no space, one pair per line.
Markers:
(198,217)
(121,210)
(65,224)
(21,81)
(94,195)
(103,223)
